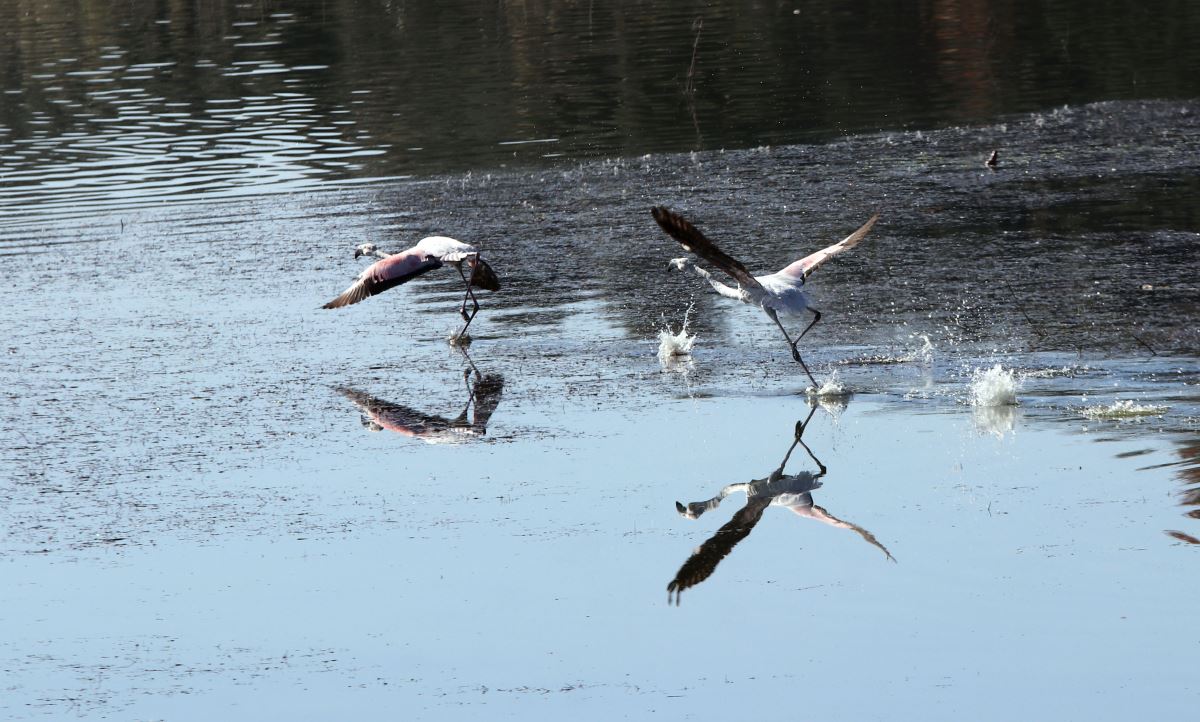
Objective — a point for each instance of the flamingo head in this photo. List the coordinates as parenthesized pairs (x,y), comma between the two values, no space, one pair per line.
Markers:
(678,264)
(369,424)
(365,249)
(484,277)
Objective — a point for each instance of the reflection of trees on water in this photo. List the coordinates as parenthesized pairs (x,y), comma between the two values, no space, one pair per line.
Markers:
(1189,496)
(457,78)
(790,491)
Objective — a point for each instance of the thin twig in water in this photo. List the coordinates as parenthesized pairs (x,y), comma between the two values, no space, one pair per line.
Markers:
(690,88)
(1143,343)
(1021,307)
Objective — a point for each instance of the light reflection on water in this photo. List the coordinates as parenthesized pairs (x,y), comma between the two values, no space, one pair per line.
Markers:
(136,103)
(133,134)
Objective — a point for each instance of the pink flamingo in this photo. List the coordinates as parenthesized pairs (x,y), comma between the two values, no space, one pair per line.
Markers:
(780,292)
(430,253)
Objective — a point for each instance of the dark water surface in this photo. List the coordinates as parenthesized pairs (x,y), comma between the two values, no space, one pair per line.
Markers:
(198,522)
(124,103)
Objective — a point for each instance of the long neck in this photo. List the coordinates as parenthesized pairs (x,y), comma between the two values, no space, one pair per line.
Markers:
(721,288)
(696,508)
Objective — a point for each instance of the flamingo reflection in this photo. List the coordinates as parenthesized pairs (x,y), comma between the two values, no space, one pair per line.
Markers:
(483,395)
(791,491)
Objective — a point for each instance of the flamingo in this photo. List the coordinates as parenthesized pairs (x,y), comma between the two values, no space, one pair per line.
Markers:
(791,491)
(430,253)
(779,292)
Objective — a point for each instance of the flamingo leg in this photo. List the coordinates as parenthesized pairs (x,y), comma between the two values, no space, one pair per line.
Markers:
(795,352)
(814,458)
(816,317)
(800,427)
(471,365)
(462,310)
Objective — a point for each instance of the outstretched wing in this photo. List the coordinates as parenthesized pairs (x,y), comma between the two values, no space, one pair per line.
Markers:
(805,266)
(821,514)
(384,274)
(705,559)
(395,417)
(693,240)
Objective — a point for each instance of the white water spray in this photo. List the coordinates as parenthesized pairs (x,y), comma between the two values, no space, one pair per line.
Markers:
(1126,409)
(832,388)
(672,345)
(996,386)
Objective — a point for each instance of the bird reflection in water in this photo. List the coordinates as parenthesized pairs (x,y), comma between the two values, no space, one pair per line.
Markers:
(792,491)
(483,396)
(1189,496)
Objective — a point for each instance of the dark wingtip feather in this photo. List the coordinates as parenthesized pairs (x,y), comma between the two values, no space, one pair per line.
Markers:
(693,241)
(484,277)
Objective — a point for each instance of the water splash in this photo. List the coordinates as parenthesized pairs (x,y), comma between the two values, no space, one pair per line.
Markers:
(996,386)
(1126,409)
(672,345)
(923,355)
(832,388)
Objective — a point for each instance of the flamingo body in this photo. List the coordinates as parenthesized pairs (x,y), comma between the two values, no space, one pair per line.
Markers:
(429,254)
(777,293)
(384,274)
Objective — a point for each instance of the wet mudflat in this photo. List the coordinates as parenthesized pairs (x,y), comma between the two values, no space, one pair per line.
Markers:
(207,513)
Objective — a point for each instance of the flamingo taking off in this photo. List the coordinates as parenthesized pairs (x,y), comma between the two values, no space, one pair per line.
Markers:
(780,292)
(430,253)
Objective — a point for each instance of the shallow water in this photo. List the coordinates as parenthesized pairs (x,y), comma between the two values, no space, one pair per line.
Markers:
(222,501)
(199,522)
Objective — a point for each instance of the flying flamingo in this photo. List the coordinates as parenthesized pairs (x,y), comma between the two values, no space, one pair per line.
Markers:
(430,253)
(790,491)
(780,292)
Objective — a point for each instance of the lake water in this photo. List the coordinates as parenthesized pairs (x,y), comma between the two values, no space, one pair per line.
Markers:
(207,511)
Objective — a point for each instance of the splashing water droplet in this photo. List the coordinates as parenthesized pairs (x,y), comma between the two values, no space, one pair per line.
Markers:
(996,386)
(1126,409)
(672,345)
